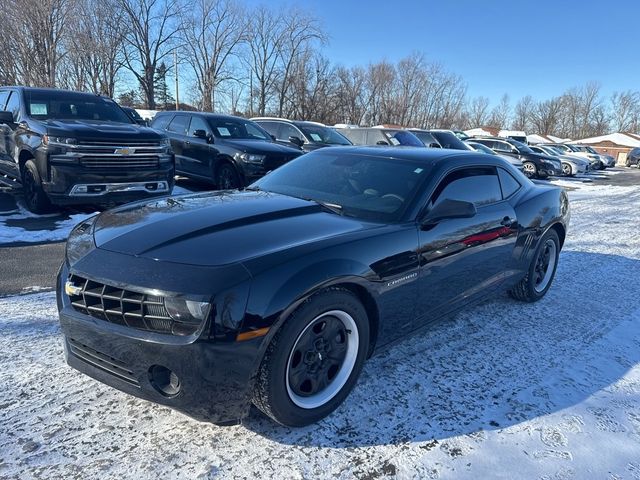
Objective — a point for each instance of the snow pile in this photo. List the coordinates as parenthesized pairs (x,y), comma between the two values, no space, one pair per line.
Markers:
(505,390)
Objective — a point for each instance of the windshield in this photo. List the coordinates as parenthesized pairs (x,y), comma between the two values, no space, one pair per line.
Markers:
(363,186)
(426,138)
(591,150)
(522,148)
(73,106)
(237,129)
(320,134)
(402,137)
(478,147)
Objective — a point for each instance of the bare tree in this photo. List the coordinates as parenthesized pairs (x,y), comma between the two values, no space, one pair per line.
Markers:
(546,116)
(522,113)
(625,111)
(265,40)
(299,30)
(153,30)
(351,95)
(479,111)
(212,32)
(500,114)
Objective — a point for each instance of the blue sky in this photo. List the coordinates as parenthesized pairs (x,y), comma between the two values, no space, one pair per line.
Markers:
(536,47)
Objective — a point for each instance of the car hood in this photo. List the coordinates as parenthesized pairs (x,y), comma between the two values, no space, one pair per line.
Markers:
(260,146)
(94,129)
(217,228)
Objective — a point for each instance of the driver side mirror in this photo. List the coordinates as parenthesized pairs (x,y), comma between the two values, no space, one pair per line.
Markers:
(434,145)
(382,142)
(449,209)
(6,117)
(296,140)
(204,135)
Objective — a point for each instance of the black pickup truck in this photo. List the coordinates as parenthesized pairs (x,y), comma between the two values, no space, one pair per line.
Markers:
(79,148)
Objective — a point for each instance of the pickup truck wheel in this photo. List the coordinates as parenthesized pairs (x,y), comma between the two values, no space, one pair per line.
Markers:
(542,270)
(314,360)
(227,178)
(34,196)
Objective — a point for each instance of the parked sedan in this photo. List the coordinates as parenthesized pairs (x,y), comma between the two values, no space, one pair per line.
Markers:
(478,147)
(277,295)
(594,160)
(607,160)
(571,165)
(534,164)
(633,158)
(229,152)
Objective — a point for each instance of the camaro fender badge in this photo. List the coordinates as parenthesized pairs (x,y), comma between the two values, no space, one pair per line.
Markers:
(124,151)
(71,289)
(406,278)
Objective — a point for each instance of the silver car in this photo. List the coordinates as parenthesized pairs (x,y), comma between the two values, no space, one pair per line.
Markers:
(571,164)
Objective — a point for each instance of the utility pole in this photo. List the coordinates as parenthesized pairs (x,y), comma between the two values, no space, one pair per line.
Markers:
(175,65)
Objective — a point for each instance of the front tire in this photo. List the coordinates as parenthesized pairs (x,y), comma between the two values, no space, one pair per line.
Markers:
(314,360)
(227,177)
(34,196)
(566,169)
(542,270)
(530,169)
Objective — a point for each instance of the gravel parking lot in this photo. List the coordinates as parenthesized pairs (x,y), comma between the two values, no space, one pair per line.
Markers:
(505,390)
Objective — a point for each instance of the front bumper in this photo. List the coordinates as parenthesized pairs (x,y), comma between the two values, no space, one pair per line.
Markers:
(214,377)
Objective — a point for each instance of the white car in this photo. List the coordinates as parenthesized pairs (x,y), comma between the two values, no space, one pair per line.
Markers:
(571,165)
(607,160)
(594,160)
(478,147)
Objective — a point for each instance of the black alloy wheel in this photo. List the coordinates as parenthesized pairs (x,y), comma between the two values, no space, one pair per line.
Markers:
(542,270)
(227,178)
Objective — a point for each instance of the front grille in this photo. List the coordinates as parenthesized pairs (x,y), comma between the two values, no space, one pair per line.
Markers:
(274,161)
(114,161)
(102,361)
(122,307)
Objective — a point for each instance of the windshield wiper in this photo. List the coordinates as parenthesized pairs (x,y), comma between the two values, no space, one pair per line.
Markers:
(332,207)
(254,189)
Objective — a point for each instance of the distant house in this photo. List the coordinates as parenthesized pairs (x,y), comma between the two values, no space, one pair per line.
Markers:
(535,139)
(617,145)
(483,132)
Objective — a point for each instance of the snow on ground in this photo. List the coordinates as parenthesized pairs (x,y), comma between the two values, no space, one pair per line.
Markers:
(52,229)
(505,390)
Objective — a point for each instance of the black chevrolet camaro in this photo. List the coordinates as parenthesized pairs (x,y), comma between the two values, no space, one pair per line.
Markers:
(276,295)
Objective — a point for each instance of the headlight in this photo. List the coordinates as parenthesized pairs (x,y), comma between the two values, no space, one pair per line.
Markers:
(186,311)
(59,141)
(165,142)
(80,240)
(251,158)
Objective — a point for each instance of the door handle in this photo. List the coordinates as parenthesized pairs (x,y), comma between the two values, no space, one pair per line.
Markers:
(508,222)
(187,142)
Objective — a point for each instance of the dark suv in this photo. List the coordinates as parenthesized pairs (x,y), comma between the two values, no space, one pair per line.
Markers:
(381,136)
(534,164)
(307,136)
(633,158)
(230,152)
(79,148)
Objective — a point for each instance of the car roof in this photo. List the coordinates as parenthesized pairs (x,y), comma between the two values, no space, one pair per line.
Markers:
(48,90)
(294,122)
(220,116)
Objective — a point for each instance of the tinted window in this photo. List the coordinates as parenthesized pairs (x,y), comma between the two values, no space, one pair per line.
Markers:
(476,185)
(509,184)
(287,131)
(179,124)
(236,128)
(320,134)
(374,136)
(3,98)
(502,147)
(160,122)
(270,127)
(356,136)
(198,123)
(45,105)
(426,138)
(449,140)
(13,105)
(402,137)
(365,186)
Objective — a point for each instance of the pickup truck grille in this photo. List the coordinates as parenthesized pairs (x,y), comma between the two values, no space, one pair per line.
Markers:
(119,154)
(114,161)
(122,307)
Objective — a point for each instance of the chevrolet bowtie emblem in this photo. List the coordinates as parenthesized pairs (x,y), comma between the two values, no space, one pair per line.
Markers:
(71,289)
(124,151)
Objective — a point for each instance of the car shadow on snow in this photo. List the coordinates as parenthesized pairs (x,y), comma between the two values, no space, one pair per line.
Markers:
(490,367)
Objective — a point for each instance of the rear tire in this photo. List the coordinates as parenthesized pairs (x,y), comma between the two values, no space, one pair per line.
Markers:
(34,196)
(542,270)
(314,360)
(567,170)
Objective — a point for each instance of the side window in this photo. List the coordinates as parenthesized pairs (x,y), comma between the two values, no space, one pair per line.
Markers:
(270,127)
(357,137)
(376,135)
(179,124)
(509,184)
(198,123)
(479,186)
(502,147)
(161,122)
(287,131)
(13,105)
(4,94)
